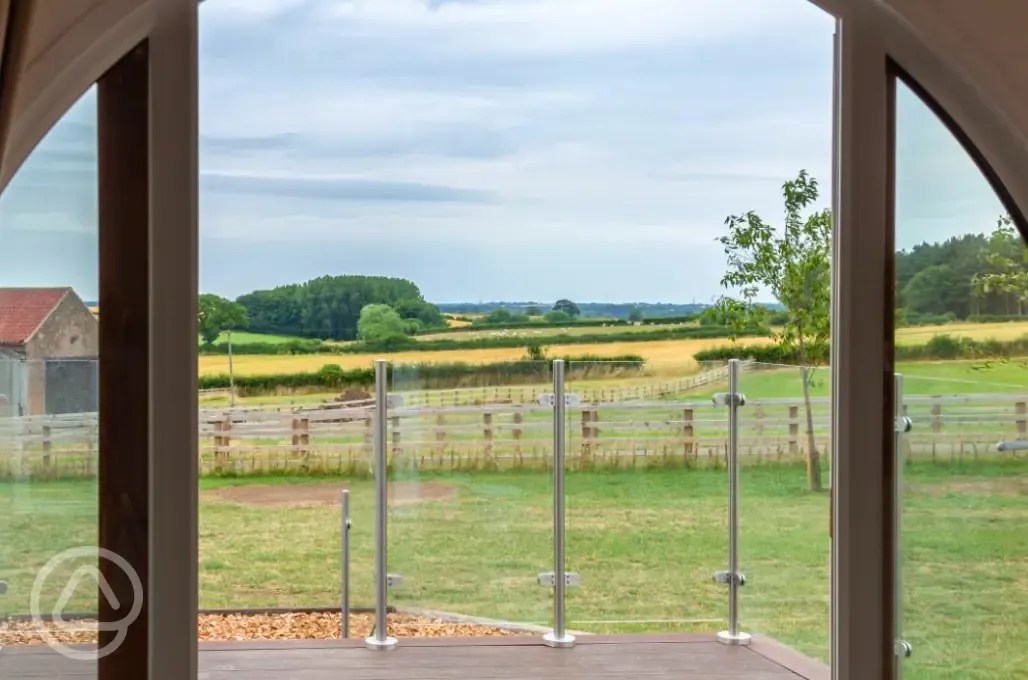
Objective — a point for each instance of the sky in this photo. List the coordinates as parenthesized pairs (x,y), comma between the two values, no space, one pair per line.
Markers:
(492,149)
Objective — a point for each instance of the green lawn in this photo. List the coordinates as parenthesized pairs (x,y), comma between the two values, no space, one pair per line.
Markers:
(241,337)
(943,378)
(646,543)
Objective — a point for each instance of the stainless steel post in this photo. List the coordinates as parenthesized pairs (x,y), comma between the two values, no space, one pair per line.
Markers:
(379,640)
(903,648)
(733,635)
(559,636)
(345,576)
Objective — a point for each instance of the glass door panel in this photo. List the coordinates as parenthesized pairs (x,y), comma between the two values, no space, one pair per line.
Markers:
(962,482)
(49,391)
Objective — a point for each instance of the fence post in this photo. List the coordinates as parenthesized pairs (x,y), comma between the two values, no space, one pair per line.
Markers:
(487,432)
(47,445)
(223,440)
(587,433)
(518,418)
(1021,408)
(366,447)
(440,433)
(395,421)
(794,430)
(688,433)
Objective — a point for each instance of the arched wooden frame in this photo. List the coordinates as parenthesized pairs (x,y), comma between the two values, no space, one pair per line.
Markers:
(160,522)
(142,56)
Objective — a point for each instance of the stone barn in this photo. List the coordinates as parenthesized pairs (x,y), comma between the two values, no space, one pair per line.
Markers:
(49,352)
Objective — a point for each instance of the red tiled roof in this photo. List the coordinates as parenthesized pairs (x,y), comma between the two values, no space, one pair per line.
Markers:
(23,311)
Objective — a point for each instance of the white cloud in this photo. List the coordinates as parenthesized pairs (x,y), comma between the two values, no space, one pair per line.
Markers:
(564,26)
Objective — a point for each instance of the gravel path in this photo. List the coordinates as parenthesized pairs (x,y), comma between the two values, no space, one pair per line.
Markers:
(237,627)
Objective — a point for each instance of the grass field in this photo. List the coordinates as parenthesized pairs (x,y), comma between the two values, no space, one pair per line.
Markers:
(644,543)
(940,377)
(241,337)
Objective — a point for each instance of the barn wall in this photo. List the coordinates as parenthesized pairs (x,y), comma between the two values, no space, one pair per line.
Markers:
(71,332)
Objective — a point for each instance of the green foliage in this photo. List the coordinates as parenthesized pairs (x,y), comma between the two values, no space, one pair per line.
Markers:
(405,343)
(425,313)
(558,317)
(328,307)
(941,347)
(568,307)
(795,266)
(533,310)
(535,352)
(381,325)
(498,316)
(635,315)
(216,315)
(1003,272)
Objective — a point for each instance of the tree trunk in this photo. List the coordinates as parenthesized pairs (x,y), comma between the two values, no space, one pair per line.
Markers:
(813,457)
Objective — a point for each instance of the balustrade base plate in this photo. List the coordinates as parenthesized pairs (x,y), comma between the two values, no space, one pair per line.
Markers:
(386,645)
(728,638)
(551,640)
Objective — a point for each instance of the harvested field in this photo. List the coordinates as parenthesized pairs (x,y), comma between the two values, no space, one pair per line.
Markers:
(328,493)
(238,627)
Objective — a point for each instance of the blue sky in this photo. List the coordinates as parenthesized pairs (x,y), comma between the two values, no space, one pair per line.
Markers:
(491,149)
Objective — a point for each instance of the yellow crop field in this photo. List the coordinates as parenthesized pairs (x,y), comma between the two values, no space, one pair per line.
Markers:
(976,331)
(665,356)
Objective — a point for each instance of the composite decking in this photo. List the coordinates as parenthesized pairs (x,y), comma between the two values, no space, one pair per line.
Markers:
(683,657)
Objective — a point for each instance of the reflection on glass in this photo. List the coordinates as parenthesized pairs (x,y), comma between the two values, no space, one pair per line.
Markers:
(960,349)
(784,541)
(470,498)
(646,498)
(49,353)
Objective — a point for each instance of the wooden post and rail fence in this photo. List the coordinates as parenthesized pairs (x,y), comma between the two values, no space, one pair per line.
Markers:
(625,433)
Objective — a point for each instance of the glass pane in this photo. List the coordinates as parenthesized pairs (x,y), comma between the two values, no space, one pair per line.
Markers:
(470,498)
(960,348)
(784,543)
(49,355)
(646,499)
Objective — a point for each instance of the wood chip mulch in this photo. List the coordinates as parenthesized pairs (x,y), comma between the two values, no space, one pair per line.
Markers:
(238,627)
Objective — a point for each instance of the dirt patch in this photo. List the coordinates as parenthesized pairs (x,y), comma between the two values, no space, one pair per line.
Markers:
(285,626)
(326,493)
(1006,486)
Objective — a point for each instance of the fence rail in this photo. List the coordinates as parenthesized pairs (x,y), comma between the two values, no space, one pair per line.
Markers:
(441,434)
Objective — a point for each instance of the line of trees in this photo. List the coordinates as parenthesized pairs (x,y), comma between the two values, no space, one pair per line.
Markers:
(965,276)
(326,308)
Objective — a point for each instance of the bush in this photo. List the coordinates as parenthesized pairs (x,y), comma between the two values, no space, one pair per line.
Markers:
(996,318)
(939,348)
(944,347)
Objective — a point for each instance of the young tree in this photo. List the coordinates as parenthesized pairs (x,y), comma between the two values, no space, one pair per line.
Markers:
(794,264)
(217,315)
(381,325)
(635,315)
